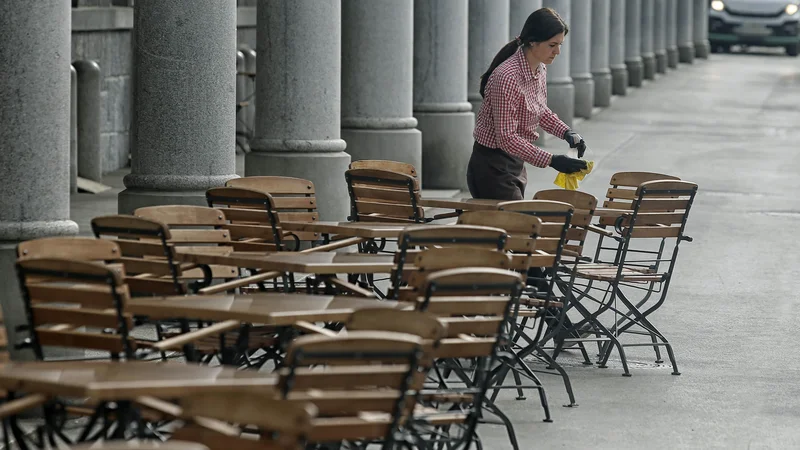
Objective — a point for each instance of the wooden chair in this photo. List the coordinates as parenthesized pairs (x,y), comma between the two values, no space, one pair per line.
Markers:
(364,384)
(383,196)
(293,199)
(658,212)
(477,305)
(381,164)
(278,424)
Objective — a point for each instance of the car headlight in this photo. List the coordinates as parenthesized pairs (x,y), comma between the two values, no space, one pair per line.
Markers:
(718,5)
(791,9)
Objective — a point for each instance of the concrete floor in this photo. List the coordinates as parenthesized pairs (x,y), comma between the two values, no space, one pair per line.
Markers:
(730,125)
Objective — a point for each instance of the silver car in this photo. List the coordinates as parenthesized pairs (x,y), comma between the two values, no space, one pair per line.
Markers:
(769,23)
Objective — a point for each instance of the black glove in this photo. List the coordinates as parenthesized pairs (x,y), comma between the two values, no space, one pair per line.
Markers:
(575,141)
(565,164)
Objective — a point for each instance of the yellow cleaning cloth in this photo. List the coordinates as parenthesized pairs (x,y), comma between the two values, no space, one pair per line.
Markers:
(570,181)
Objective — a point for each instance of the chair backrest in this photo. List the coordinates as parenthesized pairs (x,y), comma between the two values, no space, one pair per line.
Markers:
(383,196)
(281,424)
(293,199)
(556,219)
(584,208)
(91,300)
(418,323)
(522,230)
(623,187)
(254,224)
(429,236)
(194,227)
(362,372)
(382,164)
(147,253)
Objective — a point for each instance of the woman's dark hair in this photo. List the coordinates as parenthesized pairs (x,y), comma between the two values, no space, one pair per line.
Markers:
(540,26)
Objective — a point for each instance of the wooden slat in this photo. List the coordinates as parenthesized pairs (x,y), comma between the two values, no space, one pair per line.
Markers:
(634,179)
(256,246)
(90,296)
(348,428)
(298,216)
(152,286)
(462,348)
(182,215)
(467,305)
(383,194)
(200,236)
(74,339)
(141,248)
(477,326)
(247,215)
(274,184)
(655,232)
(651,205)
(543,260)
(344,377)
(252,231)
(217,271)
(294,202)
(215,440)
(82,248)
(392,166)
(389,209)
(383,219)
(81,317)
(618,193)
(152,266)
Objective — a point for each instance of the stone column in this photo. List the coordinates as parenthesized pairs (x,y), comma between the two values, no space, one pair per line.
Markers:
(580,35)
(560,89)
(616,48)
(183,129)
(672,33)
(601,19)
(298,99)
(90,155)
(648,55)
(34,138)
(445,116)
(377,99)
(520,10)
(702,47)
(633,42)
(685,31)
(660,35)
(488,33)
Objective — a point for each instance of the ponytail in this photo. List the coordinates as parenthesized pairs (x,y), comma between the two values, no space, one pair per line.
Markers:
(541,26)
(504,53)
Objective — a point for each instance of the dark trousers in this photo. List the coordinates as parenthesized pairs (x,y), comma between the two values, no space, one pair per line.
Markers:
(494,174)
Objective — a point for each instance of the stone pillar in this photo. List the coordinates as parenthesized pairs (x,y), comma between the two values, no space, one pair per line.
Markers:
(580,35)
(685,31)
(488,33)
(633,42)
(648,55)
(520,10)
(34,138)
(601,20)
(702,47)
(560,89)
(298,99)
(445,116)
(660,35)
(183,129)
(377,99)
(616,48)
(672,33)
(250,66)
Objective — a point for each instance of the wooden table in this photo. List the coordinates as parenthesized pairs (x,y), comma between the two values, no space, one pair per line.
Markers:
(322,263)
(366,230)
(461,204)
(267,308)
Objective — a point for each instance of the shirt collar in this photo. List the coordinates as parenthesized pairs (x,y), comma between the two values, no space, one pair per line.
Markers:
(525,68)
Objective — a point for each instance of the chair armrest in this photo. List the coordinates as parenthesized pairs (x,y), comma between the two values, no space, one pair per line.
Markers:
(314,329)
(239,282)
(334,245)
(598,230)
(15,407)
(156,404)
(177,342)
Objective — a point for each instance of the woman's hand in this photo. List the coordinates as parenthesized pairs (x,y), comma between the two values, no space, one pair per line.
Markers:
(565,164)
(575,141)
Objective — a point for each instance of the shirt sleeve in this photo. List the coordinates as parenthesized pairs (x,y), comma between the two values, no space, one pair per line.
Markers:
(506,99)
(551,123)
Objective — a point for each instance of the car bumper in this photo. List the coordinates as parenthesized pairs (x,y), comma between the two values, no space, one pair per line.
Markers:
(725,28)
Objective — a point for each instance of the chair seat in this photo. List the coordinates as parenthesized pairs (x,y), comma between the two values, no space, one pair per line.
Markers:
(608,272)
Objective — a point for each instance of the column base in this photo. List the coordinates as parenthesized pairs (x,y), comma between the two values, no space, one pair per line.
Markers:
(584,95)
(649,65)
(635,72)
(602,89)
(619,80)
(132,198)
(661,61)
(672,57)
(561,100)
(446,148)
(403,145)
(686,53)
(325,169)
(702,49)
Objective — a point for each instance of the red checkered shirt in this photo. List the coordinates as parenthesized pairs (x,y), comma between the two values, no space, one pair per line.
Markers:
(515,102)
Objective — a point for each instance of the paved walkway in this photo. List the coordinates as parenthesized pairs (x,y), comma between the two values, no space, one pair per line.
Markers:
(731,125)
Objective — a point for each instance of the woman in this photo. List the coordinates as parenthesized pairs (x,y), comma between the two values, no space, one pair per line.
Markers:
(514,90)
